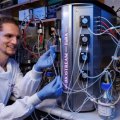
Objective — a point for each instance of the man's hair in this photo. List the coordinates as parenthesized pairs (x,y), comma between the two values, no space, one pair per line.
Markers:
(6,19)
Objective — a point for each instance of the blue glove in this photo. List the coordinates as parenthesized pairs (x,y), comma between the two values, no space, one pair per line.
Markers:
(51,90)
(46,60)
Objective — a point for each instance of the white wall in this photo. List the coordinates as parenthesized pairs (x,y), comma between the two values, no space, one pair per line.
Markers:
(115,3)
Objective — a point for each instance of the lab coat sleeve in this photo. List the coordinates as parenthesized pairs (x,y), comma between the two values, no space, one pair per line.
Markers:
(27,85)
(21,109)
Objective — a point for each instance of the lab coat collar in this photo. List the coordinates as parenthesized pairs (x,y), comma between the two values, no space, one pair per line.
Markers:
(6,74)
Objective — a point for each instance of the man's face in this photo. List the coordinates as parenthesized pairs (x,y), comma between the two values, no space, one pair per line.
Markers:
(9,36)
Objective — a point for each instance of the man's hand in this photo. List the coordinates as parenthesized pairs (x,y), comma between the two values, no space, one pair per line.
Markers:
(46,60)
(52,90)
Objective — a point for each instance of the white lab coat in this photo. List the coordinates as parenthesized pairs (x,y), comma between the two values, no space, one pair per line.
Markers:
(13,82)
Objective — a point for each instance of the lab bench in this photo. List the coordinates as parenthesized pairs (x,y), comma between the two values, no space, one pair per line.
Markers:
(51,108)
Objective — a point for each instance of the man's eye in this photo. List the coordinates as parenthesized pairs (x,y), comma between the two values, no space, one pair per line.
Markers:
(8,36)
(18,37)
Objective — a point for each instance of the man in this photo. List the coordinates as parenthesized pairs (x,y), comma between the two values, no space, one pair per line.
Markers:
(12,80)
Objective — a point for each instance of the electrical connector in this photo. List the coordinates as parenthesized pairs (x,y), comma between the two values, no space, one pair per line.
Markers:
(84,75)
(85,21)
(84,39)
(84,57)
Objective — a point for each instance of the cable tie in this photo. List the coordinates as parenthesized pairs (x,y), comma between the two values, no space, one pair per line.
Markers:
(115,58)
(80,49)
(84,75)
(93,99)
(112,27)
(87,49)
(81,71)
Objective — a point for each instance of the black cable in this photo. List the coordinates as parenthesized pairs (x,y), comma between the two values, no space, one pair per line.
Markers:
(118,10)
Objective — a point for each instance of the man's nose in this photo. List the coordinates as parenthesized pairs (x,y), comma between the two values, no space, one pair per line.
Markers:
(14,40)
